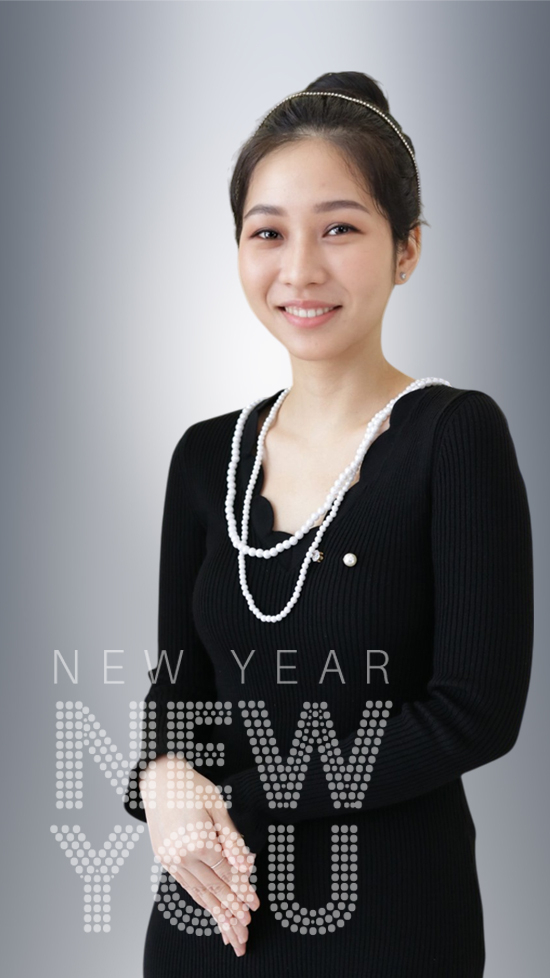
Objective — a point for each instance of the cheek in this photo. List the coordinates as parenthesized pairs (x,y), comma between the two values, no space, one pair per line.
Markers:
(250,273)
(356,272)
(364,272)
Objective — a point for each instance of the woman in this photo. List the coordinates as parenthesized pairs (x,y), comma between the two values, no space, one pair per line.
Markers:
(360,665)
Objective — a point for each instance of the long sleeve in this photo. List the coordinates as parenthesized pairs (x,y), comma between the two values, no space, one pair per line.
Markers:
(183,670)
(482,640)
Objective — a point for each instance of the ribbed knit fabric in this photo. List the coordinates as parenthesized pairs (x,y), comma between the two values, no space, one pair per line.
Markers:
(443,585)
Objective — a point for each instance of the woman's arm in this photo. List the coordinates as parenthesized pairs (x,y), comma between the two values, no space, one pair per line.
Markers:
(483,636)
(181,554)
(186,673)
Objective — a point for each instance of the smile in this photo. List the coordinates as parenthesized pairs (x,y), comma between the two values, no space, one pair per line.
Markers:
(308,317)
(296,311)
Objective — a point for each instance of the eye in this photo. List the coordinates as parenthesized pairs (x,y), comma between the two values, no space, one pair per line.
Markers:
(347,227)
(259,234)
(269,231)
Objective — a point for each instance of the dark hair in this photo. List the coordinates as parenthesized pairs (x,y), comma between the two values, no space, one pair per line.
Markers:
(371,148)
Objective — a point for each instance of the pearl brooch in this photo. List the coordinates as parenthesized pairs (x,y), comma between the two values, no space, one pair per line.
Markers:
(349,560)
(329,507)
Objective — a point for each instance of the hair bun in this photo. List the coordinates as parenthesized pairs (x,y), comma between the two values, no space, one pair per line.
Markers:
(353,83)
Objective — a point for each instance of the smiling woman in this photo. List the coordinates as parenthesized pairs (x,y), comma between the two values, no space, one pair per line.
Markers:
(413,543)
(320,251)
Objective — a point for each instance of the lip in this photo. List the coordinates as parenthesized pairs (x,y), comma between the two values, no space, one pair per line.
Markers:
(308,322)
(307,303)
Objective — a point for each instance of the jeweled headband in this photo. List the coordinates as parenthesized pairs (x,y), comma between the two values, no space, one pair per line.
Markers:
(368,105)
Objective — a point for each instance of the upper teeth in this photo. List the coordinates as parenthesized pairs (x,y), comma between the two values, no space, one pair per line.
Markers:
(295,311)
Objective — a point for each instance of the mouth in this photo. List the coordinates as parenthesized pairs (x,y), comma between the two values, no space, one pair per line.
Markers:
(308,317)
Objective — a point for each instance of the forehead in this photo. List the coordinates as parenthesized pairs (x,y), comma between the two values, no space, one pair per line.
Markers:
(304,170)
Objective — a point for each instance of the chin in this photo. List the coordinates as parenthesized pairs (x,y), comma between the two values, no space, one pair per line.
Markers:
(316,349)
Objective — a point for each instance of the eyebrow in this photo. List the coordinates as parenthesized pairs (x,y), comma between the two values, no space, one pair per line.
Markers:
(326,205)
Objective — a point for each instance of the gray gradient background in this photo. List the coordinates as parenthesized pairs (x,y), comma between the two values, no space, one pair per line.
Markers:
(123,322)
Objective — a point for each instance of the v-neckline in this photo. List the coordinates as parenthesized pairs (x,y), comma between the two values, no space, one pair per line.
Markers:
(261,510)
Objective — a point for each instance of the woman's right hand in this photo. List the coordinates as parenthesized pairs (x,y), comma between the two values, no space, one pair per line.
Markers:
(187,850)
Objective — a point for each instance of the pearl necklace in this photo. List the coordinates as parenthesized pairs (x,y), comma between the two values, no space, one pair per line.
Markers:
(330,505)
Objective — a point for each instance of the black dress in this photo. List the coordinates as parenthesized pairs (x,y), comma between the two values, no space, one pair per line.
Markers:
(414,662)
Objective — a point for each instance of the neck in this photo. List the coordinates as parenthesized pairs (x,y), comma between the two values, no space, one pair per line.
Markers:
(327,399)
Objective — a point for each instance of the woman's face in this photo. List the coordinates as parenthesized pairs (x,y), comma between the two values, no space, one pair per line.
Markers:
(312,236)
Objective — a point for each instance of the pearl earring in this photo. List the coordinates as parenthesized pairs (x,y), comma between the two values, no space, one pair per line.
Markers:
(403,275)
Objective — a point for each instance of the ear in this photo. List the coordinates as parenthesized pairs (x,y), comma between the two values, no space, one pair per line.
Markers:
(408,256)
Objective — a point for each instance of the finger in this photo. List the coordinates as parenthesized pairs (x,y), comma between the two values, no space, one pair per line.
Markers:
(234,848)
(234,868)
(237,882)
(222,887)
(223,935)
(213,902)
(228,905)
(237,892)
(228,841)
(231,930)
(232,842)
(206,838)
(239,858)
(227,923)
(226,900)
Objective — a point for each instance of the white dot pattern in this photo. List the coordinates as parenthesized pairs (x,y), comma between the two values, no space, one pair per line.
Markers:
(181,721)
(347,782)
(282,902)
(97,868)
(143,744)
(181,746)
(78,729)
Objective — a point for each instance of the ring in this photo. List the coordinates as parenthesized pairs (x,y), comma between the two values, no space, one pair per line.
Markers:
(218,862)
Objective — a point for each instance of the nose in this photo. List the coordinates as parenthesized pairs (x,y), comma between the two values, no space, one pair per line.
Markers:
(301,263)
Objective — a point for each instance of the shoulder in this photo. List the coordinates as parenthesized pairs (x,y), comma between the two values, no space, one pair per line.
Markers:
(469,410)
(438,403)
(203,451)
(212,436)
(439,412)
(215,435)
(200,459)
(472,432)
